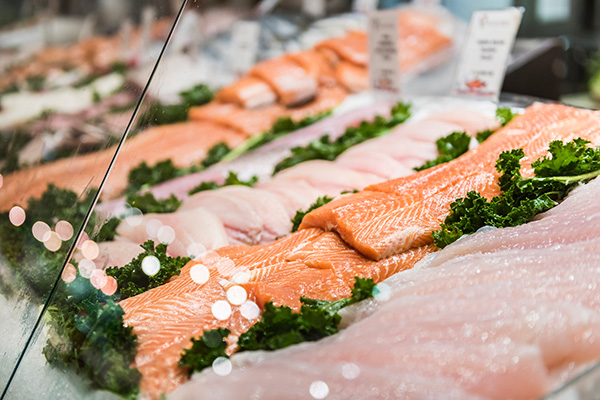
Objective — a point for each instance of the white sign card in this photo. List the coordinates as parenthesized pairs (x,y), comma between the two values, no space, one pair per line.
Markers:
(314,8)
(365,6)
(384,57)
(244,45)
(482,64)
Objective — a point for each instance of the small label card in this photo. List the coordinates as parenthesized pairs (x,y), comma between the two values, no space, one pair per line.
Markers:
(365,6)
(384,58)
(482,64)
(314,8)
(244,45)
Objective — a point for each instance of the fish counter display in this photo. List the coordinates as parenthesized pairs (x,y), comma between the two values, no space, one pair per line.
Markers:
(410,310)
(294,235)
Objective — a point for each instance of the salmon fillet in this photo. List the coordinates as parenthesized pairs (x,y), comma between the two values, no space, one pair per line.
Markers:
(309,263)
(394,216)
(316,65)
(353,77)
(186,143)
(249,122)
(247,92)
(352,47)
(292,83)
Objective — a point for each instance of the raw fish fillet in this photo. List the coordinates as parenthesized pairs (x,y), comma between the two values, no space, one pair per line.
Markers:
(247,92)
(315,65)
(185,143)
(352,47)
(393,216)
(249,215)
(495,322)
(292,83)
(353,77)
(260,162)
(195,227)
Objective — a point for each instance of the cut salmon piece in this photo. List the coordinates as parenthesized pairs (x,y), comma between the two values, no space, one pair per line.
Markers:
(185,143)
(247,92)
(290,81)
(316,65)
(328,97)
(352,47)
(249,122)
(394,216)
(353,77)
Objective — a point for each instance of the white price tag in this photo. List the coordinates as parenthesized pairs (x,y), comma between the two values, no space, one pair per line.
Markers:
(365,6)
(314,8)
(244,45)
(384,59)
(482,64)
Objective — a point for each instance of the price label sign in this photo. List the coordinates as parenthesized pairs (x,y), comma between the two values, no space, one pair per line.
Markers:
(384,57)
(365,6)
(314,8)
(482,64)
(244,45)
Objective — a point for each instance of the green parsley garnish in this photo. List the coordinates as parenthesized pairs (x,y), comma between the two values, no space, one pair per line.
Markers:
(522,198)
(297,220)
(326,149)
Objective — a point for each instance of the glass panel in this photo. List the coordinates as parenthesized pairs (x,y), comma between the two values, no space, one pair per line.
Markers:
(67,96)
(196,130)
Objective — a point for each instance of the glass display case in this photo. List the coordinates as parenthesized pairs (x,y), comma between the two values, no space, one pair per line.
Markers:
(147,147)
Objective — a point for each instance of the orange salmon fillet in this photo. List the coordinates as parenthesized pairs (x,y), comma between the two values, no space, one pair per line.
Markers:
(394,216)
(315,64)
(352,47)
(292,83)
(247,92)
(310,263)
(353,77)
(186,143)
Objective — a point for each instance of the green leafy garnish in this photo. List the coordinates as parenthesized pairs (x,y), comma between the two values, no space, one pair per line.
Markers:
(36,83)
(119,67)
(10,146)
(34,268)
(87,335)
(326,149)
(205,350)
(232,179)
(483,135)
(522,198)
(449,147)
(161,114)
(297,220)
(215,154)
(505,115)
(147,203)
(281,127)
(131,278)
(144,176)
(280,327)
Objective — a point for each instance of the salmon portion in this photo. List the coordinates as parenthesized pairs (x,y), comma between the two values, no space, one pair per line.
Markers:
(185,143)
(394,216)
(247,92)
(328,97)
(292,83)
(353,77)
(249,122)
(309,263)
(353,48)
(316,65)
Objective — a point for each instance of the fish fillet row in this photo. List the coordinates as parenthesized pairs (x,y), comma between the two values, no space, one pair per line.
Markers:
(483,318)
(263,213)
(390,217)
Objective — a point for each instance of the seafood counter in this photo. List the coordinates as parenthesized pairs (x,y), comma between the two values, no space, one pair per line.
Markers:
(291,234)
